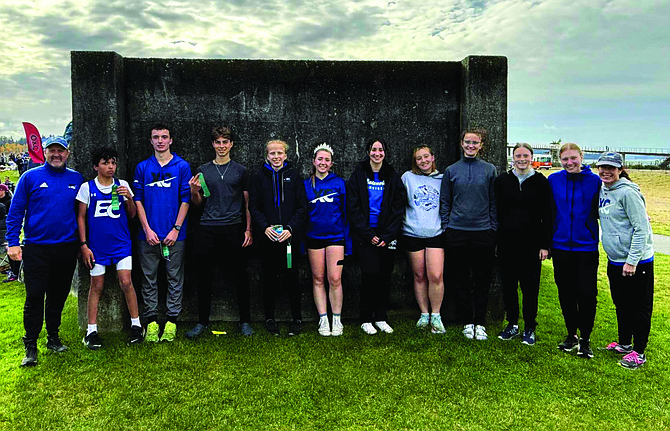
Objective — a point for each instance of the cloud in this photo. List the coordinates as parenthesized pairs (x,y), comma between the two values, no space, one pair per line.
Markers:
(568,61)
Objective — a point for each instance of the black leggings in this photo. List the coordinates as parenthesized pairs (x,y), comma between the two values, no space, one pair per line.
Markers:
(576,277)
(634,301)
(376,267)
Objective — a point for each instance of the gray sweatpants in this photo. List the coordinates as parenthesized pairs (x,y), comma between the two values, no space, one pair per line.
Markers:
(150,257)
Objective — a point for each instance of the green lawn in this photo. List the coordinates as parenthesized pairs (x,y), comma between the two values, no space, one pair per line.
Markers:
(407,380)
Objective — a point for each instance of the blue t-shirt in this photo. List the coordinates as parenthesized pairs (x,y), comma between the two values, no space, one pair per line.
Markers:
(376,195)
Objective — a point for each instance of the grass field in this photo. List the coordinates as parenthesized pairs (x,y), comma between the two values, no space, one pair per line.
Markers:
(407,380)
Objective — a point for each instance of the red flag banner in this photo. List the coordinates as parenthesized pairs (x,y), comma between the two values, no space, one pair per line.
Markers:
(34,140)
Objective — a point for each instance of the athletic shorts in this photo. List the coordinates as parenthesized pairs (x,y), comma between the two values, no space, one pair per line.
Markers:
(123,264)
(411,243)
(318,244)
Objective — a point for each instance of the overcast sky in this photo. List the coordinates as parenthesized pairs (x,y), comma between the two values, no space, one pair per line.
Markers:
(595,72)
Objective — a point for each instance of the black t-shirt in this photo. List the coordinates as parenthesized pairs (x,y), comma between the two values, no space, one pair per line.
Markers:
(227,184)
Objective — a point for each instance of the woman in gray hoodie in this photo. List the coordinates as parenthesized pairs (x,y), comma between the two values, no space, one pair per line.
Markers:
(627,240)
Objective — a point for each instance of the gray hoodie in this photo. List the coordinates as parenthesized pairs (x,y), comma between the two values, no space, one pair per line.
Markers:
(627,236)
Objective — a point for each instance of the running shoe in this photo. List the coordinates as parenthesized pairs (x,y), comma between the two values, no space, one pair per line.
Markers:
(246,329)
(271,327)
(136,335)
(324,328)
(469,331)
(436,325)
(368,328)
(510,332)
(295,328)
(633,360)
(528,337)
(30,360)
(169,332)
(571,343)
(196,331)
(92,341)
(620,349)
(480,333)
(152,332)
(384,327)
(54,344)
(423,321)
(585,351)
(338,328)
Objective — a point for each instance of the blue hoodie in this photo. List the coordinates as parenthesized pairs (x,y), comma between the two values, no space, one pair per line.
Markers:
(327,206)
(45,197)
(575,210)
(162,189)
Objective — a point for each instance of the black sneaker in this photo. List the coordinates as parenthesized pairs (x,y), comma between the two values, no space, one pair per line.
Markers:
(136,335)
(92,341)
(510,331)
(30,359)
(295,328)
(272,327)
(54,344)
(585,349)
(571,342)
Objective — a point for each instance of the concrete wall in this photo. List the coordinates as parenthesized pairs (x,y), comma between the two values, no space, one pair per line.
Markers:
(116,100)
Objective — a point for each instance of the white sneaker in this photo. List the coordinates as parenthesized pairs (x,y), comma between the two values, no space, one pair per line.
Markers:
(469,331)
(338,328)
(368,328)
(384,327)
(423,321)
(436,325)
(324,328)
(480,333)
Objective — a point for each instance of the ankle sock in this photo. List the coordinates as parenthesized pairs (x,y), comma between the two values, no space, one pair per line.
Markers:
(91,328)
(336,318)
(135,321)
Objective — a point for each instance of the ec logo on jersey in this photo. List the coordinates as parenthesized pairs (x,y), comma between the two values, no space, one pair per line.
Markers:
(604,205)
(104,209)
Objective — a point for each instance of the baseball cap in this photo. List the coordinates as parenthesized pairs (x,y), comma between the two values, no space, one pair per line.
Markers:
(610,158)
(4,188)
(55,140)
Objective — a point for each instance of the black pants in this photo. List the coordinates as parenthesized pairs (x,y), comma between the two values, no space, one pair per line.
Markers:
(520,267)
(576,277)
(276,274)
(47,272)
(376,267)
(634,301)
(222,246)
(469,262)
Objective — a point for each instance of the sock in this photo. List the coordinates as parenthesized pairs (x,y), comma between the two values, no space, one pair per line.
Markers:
(434,314)
(336,317)
(92,328)
(135,321)
(323,317)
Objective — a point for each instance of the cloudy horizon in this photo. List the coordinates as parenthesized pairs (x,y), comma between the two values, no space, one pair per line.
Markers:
(592,72)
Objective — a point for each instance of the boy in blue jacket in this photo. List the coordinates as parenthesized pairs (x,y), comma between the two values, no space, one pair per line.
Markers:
(162,195)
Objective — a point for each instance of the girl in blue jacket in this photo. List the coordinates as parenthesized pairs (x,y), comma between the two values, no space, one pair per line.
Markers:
(325,238)
(574,247)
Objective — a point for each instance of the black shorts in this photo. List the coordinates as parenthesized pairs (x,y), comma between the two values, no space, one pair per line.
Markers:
(411,243)
(318,244)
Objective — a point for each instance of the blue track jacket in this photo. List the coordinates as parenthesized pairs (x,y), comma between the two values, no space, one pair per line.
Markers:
(575,209)
(45,198)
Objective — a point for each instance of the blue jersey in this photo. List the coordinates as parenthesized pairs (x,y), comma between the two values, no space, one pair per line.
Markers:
(326,204)
(162,190)
(108,233)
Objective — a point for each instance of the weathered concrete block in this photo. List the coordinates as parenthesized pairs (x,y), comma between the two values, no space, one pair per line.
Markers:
(116,100)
